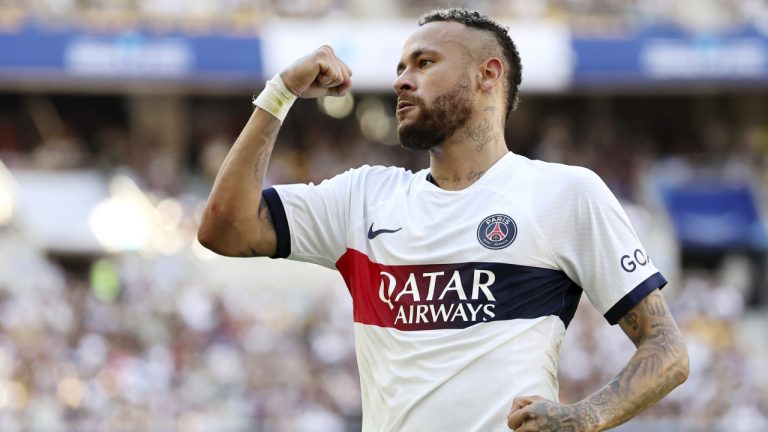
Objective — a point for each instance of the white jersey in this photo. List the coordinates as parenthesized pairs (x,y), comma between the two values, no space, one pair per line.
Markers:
(461,298)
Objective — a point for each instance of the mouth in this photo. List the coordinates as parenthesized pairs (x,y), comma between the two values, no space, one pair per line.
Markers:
(404,106)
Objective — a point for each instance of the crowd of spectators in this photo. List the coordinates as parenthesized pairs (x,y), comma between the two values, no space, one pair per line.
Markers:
(197,16)
(131,342)
(189,342)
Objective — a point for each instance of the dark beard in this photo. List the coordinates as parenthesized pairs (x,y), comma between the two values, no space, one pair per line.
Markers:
(449,112)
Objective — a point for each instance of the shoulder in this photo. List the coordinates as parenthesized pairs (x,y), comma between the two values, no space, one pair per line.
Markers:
(557,178)
(380,170)
(354,180)
(376,175)
(367,173)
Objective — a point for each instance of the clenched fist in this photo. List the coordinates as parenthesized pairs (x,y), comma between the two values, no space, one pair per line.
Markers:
(319,73)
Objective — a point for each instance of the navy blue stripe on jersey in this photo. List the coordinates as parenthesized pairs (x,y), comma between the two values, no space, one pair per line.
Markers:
(533,292)
(280,221)
(623,306)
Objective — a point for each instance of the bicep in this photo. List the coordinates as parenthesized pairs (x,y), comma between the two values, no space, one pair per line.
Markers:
(651,320)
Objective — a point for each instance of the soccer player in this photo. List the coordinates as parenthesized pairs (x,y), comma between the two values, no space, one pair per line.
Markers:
(465,275)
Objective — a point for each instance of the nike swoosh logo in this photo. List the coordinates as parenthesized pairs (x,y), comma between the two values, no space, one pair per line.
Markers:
(372,234)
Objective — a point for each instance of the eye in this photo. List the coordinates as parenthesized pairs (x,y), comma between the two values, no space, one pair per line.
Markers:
(425,62)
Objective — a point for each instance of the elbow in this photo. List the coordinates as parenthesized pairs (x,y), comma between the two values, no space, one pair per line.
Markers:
(206,237)
(215,242)
(224,234)
(210,233)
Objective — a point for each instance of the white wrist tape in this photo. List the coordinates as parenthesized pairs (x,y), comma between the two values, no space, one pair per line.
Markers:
(275,99)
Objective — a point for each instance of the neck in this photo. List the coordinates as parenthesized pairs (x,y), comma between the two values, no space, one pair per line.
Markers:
(464,157)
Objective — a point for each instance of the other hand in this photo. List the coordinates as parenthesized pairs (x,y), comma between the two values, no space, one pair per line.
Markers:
(319,73)
(534,413)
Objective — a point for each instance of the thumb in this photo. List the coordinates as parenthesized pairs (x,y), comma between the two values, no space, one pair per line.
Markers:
(341,89)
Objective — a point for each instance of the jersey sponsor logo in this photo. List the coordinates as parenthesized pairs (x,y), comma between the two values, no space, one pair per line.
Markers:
(630,262)
(453,296)
(372,234)
(439,296)
(497,231)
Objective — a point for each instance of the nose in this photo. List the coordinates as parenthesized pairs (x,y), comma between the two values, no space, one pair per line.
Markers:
(404,82)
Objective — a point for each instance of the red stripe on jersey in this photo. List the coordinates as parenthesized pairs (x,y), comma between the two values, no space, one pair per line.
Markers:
(417,297)
(363,278)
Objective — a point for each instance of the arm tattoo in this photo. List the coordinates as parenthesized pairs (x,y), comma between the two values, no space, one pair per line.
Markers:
(250,254)
(264,214)
(659,365)
(260,165)
(631,320)
(552,417)
(258,169)
(266,225)
(655,306)
(269,135)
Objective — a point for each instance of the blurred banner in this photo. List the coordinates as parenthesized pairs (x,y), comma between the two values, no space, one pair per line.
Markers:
(716,216)
(554,59)
(667,55)
(372,49)
(33,54)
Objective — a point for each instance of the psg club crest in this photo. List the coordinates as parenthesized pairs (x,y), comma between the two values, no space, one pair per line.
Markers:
(497,231)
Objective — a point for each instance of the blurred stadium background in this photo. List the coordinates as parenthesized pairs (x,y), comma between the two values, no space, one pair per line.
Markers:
(116,114)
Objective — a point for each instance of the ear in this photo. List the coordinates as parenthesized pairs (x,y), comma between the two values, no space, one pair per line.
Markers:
(490,73)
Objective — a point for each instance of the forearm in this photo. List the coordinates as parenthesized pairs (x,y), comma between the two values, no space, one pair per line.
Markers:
(237,188)
(659,365)
(236,195)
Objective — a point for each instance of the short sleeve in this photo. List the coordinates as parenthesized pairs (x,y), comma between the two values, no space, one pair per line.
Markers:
(594,243)
(311,220)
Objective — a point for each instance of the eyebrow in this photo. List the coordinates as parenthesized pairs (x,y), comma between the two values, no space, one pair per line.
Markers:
(414,55)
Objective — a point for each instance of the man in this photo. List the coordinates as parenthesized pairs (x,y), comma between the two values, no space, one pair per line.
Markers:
(465,275)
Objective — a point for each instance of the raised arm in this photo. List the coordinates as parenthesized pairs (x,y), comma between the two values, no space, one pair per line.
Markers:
(236,221)
(659,365)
